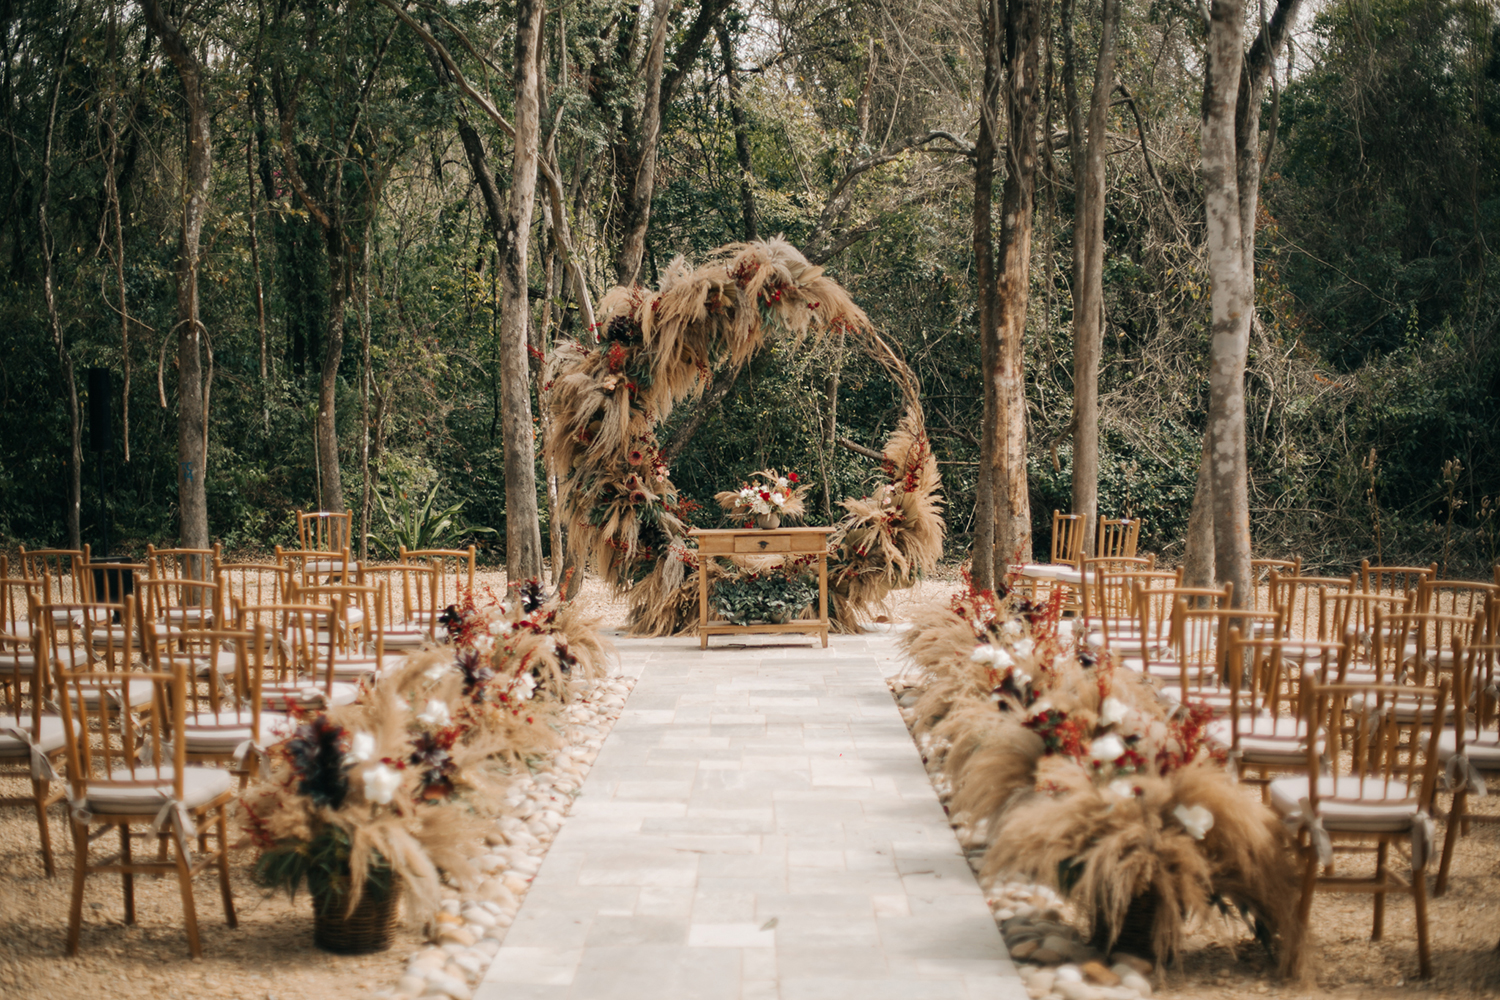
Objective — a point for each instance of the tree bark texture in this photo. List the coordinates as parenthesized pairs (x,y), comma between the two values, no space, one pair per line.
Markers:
(330,480)
(741,134)
(73,516)
(1231,298)
(1198,560)
(1088,282)
(982,554)
(637,197)
(192,394)
(523,534)
(1012,498)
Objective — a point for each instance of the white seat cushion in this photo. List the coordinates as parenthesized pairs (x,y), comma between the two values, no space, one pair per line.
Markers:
(404,635)
(200,786)
(1264,739)
(1484,752)
(1381,808)
(1212,697)
(137,693)
(51,736)
(223,733)
(303,695)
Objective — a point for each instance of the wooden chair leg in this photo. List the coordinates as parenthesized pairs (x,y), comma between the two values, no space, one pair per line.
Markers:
(80,872)
(1424,946)
(189,911)
(1450,839)
(1381,853)
(1309,885)
(230,916)
(126,879)
(40,791)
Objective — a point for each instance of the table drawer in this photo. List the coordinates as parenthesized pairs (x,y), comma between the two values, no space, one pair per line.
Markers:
(758,544)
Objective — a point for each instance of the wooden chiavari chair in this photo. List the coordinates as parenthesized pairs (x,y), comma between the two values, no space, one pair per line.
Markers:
(1117,537)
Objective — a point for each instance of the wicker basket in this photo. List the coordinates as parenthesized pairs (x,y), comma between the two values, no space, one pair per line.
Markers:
(368,929)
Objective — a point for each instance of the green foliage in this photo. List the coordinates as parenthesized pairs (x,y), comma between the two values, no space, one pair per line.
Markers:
(775,596)
(322,862)
(420,524)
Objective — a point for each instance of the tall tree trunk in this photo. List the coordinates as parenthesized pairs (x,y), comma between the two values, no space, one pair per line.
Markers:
(1232,301)
(1012,497)
(74,509)
(636,214)
(982,554)
(192,395)
(1088,282)
(523,535)
(1198,559)
(741,134)
(325,428)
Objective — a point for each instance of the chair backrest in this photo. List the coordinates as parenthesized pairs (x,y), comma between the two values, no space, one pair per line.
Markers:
(1390,732)
(252,582)
(112,749)
(311,567)
(1100,598)
(1302,601)
(172,564)
(1476,695)
(1117,537)
(1200,641)
(1067,537)
(21,701)
(301,654)
(16,595)
(1421,642)
(1267,680)
(452,573)
(1401,581)
(110,582)
(233,696)
(324,530)
(179,602)
(1260,579)
(60,570)
(99,635)
(406,591)
(1454,597)
(1355,612)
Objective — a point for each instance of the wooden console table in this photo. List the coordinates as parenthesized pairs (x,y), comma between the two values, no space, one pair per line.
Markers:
(713,542)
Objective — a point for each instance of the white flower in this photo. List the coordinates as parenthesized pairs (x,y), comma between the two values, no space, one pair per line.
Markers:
(782,482)
(1106,748)
(993,655)
(361,748)
(1023,647)
(1122,788)
(1195,819)
(1011,627)
(381,783)
(435,672)
(1113,711)
(484,644)
(524,686)
(435,714)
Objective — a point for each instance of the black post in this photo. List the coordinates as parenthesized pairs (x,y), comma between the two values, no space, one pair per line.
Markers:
(101,440)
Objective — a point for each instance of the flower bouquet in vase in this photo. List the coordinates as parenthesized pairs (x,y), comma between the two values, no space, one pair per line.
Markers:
(767,499)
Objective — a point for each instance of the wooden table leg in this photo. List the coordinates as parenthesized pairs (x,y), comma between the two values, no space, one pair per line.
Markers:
(703,561)
(823,594)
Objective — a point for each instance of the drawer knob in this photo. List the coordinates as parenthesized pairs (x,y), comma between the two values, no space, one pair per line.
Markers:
(763,543)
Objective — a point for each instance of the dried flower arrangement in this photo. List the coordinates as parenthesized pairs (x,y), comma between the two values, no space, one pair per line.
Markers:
(625,518)
(1077,773)
(771,494)
(396,790)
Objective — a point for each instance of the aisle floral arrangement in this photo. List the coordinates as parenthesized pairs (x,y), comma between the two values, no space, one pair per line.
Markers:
(769,494)
(394,792)
(1076,773)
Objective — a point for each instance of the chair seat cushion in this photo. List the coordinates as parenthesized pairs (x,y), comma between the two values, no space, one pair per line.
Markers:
(223,733)
(200,786)
(303,695)
(1381,807)
(1212,697)
(354,665)
(404,635)
(137,693)
(1264,738)
(1484,752)
(50,736)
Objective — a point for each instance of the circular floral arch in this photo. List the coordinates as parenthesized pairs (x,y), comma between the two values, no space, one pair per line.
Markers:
(606,400)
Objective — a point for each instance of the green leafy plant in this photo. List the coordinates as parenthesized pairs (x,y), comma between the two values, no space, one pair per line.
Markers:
(421,524)
(323,862)
(774,596)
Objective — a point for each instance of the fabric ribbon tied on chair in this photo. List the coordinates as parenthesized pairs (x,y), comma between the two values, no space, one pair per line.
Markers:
(1423,835)
(245,749)
(1461,775)
(41,764)
(1305,819)
(173,815)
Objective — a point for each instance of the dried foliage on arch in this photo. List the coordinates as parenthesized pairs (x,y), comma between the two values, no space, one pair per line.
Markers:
(658,349)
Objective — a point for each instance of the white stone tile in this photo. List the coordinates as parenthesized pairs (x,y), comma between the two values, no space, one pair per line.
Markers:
(740,935)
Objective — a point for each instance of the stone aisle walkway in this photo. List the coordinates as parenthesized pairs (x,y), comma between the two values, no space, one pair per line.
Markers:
(758,825)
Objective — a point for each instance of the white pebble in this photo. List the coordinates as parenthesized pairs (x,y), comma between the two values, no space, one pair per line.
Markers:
(1069,974)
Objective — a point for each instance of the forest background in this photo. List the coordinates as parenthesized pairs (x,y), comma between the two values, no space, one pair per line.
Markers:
(347,250)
